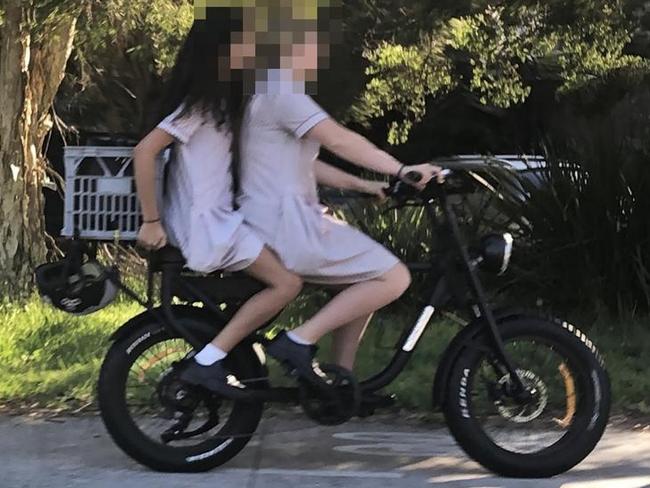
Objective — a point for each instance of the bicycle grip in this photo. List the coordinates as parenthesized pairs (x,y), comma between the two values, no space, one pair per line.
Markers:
(414,176)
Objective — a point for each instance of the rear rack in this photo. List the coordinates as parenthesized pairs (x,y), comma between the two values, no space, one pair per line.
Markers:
(100,197)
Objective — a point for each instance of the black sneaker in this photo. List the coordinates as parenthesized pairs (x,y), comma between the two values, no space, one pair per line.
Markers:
(299,358)
(214,378)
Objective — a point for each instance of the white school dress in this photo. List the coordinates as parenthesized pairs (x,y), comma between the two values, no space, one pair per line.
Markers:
(198,214)
(279,197)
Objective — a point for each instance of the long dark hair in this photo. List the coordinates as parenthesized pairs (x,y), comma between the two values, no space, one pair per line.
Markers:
(198,80)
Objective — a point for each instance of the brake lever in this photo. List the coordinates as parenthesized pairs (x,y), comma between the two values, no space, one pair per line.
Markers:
(394,188)
(416,176)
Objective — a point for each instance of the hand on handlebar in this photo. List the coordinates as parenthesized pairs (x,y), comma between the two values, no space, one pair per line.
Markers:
(426,171)
(374,188)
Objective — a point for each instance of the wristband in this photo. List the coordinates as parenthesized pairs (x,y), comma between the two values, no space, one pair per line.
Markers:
(151,221)
(399,171)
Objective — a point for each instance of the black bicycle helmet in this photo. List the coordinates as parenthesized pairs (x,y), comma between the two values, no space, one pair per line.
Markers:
(78,290)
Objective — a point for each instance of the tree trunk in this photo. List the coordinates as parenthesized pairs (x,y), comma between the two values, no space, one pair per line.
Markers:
(30,74)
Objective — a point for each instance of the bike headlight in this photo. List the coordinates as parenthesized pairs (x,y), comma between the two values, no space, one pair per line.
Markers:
(495,251)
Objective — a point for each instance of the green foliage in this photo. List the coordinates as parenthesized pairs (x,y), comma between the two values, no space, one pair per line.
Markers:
(496,54)
(402,79)
(44,15)
(122,50)
(146,31)
(593,47)
(583,235)
(639,10)
(496,50)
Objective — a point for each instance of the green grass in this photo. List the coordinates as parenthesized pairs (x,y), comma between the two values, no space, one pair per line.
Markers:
(625,344)
(51,359)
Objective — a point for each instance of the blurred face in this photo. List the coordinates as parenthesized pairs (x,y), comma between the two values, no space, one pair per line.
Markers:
(277,45)
(280,36)
(304,57)
(300,53)
(243,51)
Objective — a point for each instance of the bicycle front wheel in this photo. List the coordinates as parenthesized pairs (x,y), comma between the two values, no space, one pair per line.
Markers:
(556,426)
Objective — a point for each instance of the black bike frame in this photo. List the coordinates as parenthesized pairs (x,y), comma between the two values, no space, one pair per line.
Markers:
(446,228)
(441,271)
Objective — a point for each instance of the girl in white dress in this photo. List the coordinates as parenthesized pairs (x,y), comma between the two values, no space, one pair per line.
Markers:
(198,217)
(281,137)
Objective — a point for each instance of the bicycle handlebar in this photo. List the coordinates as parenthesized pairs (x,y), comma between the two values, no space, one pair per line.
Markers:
(414,176)
(403,187)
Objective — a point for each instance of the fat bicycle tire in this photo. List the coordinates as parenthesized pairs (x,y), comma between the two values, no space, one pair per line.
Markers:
(589,421)
(223,446)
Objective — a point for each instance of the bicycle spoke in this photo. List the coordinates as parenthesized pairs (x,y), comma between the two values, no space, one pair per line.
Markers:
(531,425)
(150,415)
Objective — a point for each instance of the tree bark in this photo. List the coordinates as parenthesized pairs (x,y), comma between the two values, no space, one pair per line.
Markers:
(31,70)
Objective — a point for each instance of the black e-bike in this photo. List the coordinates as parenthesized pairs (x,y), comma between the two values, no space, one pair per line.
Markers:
(524,395)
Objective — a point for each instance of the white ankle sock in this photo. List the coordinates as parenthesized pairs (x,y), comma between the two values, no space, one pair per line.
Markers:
(297,339)
(210,354)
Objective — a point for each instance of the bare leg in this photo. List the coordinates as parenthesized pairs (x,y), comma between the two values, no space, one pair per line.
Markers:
(346,340)
(355,302)
(282,287)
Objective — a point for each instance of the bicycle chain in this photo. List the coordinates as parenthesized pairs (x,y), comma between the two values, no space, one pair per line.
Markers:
(256,432)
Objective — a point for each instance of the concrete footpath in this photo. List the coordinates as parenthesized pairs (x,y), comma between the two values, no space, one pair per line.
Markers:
(294,452)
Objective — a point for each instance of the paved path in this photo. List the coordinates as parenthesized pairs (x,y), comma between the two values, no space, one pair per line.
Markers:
(77,452)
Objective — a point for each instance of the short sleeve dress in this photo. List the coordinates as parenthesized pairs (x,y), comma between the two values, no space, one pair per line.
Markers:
(198,214)
(279,196)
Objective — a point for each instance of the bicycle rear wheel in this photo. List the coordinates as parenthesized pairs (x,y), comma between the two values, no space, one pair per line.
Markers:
(147,410)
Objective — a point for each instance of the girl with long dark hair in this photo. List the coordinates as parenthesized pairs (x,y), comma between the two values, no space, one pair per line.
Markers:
(201,114)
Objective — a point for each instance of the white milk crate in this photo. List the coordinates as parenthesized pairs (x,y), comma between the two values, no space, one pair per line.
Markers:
(100,197)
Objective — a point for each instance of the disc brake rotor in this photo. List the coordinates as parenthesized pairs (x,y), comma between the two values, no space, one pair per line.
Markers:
(522,413)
